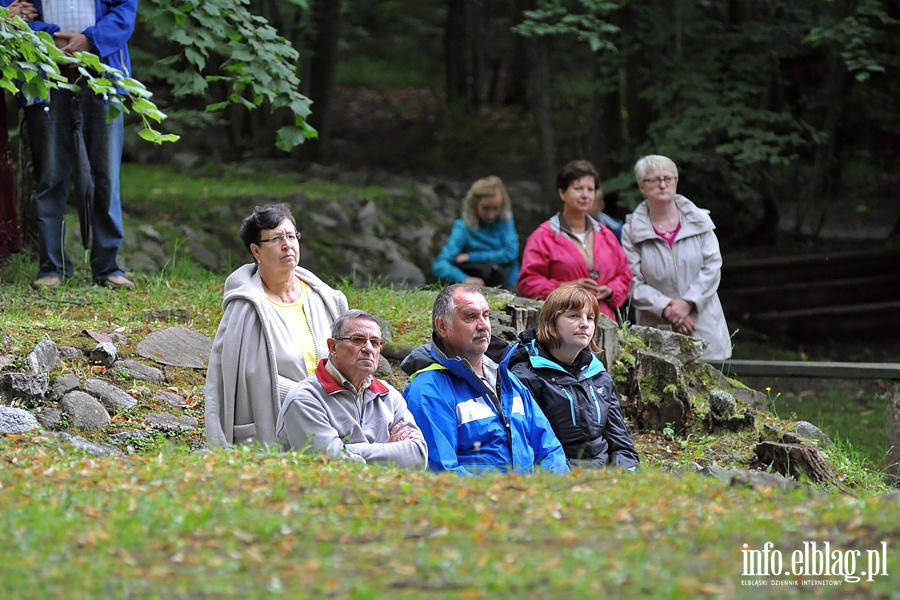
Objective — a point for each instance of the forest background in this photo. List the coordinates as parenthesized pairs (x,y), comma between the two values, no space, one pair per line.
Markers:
(771,110)
(767,107)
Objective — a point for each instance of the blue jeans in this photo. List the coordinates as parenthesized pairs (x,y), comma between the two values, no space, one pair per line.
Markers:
(53,153)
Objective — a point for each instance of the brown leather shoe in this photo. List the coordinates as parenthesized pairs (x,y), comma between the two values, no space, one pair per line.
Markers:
(47,282)
(118,281)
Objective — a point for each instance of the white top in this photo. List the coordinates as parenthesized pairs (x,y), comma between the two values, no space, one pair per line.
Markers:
(72,16)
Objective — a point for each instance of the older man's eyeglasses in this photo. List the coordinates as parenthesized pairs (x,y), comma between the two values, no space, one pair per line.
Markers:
(668,180)
(279,239)
(360,340)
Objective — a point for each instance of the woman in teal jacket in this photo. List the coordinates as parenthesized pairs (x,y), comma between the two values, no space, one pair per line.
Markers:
(557,363)
(483,247)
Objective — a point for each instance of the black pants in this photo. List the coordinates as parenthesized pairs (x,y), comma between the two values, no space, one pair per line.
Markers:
(492,275)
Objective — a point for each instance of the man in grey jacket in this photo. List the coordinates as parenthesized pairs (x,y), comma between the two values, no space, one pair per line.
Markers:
(346,412)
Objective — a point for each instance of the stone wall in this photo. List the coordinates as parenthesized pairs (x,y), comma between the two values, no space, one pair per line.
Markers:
(392,240)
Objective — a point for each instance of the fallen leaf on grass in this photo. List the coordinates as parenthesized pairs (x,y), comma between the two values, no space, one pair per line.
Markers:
(113,337)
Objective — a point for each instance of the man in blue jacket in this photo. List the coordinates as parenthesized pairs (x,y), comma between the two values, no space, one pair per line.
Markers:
(475,415)
(102,27)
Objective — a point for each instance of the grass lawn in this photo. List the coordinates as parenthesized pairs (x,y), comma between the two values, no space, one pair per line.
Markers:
(847,411)
(250,524)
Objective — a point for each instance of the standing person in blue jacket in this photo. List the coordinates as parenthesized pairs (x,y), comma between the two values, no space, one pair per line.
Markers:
(612,223)
(102,27)
(475,415)
(557,363)
(483,247)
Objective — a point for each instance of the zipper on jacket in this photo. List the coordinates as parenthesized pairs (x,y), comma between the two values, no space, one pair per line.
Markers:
(571,405)
(596,404)
(499,405)
(674,262)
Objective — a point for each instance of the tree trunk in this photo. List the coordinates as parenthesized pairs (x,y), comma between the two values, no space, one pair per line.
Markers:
(543,101)
(516,89)
(639,111)
(475,19)
(454,49)
(797,461)
(25,188)
(323,66)
(818,188)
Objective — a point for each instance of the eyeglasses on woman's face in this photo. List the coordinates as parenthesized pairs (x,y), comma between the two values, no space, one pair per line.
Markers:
(668,180)
(291,238)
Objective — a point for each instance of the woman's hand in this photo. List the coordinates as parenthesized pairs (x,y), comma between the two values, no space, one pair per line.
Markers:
(686,328)
(474,281)
(678,314)
(602,292)
(587,284)
(461,258)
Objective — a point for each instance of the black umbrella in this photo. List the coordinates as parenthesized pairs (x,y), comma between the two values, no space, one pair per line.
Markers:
(84,179)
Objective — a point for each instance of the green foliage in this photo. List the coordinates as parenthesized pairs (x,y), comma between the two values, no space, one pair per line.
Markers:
(408,312)
(589,24)
(392,43)
(857,36)
(31,62)
(856,467)
(222,42)
(739,94)
(843,410)
(452,147)
(371,71)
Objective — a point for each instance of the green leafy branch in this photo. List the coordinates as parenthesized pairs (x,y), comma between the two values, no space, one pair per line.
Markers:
(221,41)
(31,63)
(858,37)
(552,18)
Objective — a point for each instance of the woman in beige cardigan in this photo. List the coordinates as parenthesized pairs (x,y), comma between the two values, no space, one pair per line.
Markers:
(674,255)
(274,330)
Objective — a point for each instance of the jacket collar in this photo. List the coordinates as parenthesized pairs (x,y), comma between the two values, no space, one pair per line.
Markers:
(539,357)
(557,227)
(694,220)
(332,385)
(430,357)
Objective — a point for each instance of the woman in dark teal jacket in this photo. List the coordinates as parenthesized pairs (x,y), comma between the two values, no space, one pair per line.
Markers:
(483,247)
(557,363)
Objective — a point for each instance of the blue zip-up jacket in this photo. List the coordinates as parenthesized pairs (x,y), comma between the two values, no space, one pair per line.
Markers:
(463,428)
(583,408)
(497,243)
(109,37)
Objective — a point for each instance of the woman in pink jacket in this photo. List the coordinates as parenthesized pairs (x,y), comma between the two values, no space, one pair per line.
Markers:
(572,247)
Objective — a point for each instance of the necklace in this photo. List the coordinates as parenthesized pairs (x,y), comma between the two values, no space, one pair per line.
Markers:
(665,232)
(667,227)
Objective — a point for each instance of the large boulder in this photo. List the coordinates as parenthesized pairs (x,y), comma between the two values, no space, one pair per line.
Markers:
(656,396)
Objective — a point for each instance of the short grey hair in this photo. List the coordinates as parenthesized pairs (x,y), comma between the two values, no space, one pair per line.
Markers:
(653,161)
(340,324)
(444,306)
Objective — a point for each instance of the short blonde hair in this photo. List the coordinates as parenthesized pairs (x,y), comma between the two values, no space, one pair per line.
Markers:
(486,187)
(563,299)
(645,164)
